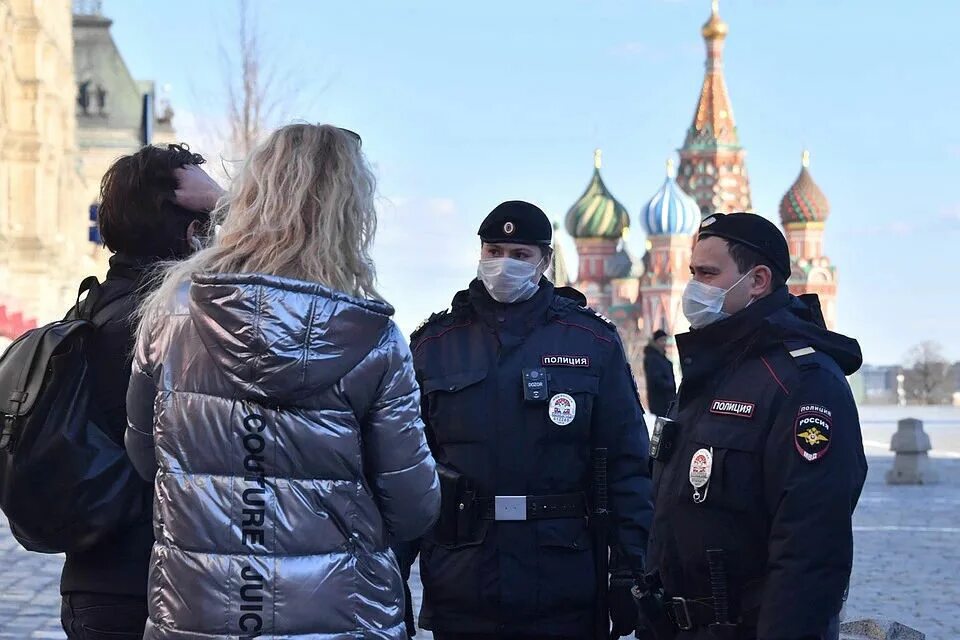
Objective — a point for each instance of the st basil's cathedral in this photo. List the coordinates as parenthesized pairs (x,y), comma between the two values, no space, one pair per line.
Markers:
(643,295)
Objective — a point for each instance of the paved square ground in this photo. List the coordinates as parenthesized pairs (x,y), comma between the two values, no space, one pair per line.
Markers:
(906,566)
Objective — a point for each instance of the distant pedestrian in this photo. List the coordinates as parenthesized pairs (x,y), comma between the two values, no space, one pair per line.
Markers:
(274,401)
(658,370)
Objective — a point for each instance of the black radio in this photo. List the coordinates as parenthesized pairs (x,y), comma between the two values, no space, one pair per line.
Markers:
(663,438)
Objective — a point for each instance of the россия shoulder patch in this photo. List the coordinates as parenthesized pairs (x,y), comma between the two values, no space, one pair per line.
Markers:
(812,431)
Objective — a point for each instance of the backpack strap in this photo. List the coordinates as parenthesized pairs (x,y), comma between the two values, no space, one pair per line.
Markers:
(106,313)
(96,307)
(85,306)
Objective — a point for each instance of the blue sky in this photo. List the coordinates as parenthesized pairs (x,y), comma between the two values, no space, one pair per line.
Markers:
(463,105)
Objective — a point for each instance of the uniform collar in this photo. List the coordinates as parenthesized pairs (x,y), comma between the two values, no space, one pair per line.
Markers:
(706,351)
(519,318)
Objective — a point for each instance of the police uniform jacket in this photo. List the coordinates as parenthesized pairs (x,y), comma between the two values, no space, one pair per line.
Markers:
(533,577)
(765,393)
(289,451)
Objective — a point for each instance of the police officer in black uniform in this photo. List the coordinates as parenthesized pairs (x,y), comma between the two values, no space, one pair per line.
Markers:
(523,389)
(757,476)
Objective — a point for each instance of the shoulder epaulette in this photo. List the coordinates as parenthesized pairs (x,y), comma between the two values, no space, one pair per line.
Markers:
(434,317)
(806,357)
(802,354)
(596,314)
(604,318)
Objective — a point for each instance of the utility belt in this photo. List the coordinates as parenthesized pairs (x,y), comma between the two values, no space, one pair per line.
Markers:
(519,508)
(462,511)
(695,613)
(662,615)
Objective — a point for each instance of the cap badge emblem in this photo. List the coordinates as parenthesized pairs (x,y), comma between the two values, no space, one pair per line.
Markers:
(509,228)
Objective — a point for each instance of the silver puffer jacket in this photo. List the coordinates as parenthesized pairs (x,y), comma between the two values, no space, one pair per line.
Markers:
(289,453)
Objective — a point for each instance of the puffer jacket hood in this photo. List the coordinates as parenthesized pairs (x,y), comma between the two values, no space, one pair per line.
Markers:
(802,320)
(281,421)
(274,337)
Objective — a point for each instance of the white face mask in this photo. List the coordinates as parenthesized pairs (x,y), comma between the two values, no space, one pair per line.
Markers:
(703,303)
(509,280)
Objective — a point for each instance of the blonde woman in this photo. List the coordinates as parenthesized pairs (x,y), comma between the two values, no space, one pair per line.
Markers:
(281,402)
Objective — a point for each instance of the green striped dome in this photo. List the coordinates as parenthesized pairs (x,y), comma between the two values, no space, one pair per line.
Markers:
(597,214)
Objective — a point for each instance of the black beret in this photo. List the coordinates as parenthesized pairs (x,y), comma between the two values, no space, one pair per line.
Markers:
(518,222)
(753,231)
(659,333)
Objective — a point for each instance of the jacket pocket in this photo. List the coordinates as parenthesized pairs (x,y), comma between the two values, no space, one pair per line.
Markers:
(736,474)
(730,435)
(565,566)
(455,404)
(452,574)
(564,533)
(583,388)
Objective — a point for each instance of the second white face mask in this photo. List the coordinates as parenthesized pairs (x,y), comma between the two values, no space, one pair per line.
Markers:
(703,303)
(509,280)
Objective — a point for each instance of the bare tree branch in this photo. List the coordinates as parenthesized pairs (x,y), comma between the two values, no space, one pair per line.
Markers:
(261,87)
(927,378)
(253,100)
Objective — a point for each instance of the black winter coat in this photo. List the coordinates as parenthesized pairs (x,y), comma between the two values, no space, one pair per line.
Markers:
(532,577)
(119,564)
(661,385)
(764,395)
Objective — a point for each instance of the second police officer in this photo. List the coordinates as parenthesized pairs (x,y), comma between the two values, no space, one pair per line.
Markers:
(524,389)
(759,471)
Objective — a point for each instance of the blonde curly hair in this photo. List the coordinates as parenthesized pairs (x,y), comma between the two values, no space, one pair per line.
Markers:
(302,207)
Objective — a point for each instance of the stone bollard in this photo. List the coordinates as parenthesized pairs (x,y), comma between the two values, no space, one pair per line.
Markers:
(911,463)
(878,629)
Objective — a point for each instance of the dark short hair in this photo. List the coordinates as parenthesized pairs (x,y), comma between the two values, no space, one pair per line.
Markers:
(136,214)
(746,259)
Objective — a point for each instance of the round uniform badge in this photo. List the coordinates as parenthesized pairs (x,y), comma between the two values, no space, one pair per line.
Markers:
(509,228)
(701,466)
(562,409)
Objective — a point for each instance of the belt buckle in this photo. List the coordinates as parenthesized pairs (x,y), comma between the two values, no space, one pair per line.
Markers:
(510,508)
(680,604)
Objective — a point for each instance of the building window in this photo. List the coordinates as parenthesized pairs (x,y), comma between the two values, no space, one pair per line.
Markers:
(93,232)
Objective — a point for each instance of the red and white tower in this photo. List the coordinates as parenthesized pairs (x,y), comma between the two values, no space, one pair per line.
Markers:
(712,162)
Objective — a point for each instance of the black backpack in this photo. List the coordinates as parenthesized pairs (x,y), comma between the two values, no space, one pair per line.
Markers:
(65,485)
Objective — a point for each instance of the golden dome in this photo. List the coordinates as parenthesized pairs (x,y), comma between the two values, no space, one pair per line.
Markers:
(715,28)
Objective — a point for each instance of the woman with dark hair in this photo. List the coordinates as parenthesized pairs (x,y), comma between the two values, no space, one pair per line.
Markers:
(152,203)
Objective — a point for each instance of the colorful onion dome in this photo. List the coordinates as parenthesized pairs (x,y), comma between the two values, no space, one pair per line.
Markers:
(597,214)
(804,202)
(671,211)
